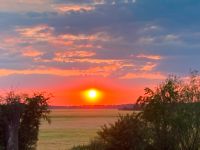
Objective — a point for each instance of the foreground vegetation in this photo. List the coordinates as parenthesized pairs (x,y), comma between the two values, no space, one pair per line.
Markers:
(20,117)
(169,120)
(71,127)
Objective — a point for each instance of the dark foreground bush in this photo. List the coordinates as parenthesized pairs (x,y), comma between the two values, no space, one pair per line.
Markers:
(127,132)
(169,120)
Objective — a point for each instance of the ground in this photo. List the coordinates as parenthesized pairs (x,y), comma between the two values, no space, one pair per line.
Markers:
(71,127)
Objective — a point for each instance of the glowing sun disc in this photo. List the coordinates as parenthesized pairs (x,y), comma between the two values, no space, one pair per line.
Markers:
(92,95)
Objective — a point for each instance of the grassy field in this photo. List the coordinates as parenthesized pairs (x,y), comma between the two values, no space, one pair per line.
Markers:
(71,127)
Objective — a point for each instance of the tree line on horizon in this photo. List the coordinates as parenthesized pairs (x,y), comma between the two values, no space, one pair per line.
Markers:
(169,119)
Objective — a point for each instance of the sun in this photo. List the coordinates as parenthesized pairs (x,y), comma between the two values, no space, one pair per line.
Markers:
(92,95)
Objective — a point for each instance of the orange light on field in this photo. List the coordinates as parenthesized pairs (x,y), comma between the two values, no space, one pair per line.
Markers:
(92,95)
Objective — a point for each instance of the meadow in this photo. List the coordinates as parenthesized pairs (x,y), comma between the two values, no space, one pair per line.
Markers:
(71,127)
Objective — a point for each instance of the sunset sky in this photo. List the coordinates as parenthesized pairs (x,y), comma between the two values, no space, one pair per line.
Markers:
(118,47)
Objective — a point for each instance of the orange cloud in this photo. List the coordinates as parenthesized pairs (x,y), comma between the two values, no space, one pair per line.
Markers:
(152,76)
(101,36)
(56,41)
(39,32)
(104,70)
(153,57)
(98,71)
(78,37)
(32,53)
(50,71)
(74,54)
(148,67)
(45,33)
(66,58)
(79,8)
(86,46)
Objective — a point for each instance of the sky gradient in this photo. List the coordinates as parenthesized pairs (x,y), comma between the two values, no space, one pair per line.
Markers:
(117,46)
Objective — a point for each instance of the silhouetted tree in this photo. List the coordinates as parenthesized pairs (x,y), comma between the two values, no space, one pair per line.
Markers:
(36,107)
(172,112)
(20,119)
(11,110)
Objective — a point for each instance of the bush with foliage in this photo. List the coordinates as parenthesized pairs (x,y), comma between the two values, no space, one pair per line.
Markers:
(169,120)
